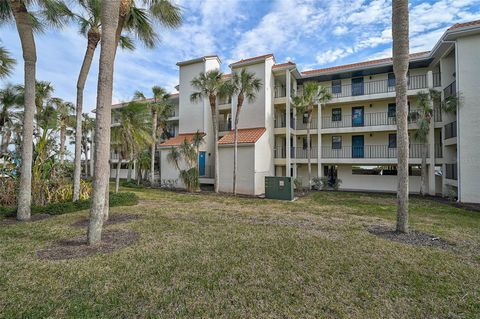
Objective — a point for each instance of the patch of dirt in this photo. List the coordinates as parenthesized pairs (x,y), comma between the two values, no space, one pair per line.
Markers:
(112,240)
(112,220)
(34,218)
(416,238)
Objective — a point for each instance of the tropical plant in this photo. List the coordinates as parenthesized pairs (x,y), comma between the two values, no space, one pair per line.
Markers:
(185,159)
(161,110)
(6,63)
(400,68)
(313,94)
(66,120)
(8,102)
(132,134)
(211,85)
(99,209)
(245,86)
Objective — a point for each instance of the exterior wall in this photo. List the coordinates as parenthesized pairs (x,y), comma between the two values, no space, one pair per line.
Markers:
(379,183)
(168,170)
(263,162)
(246,169)
(468,118)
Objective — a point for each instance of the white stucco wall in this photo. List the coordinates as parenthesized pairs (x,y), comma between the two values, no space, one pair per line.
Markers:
(468,118)
(245,173)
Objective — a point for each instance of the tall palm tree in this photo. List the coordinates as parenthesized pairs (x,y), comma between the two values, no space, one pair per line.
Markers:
(160,107)
(6,63)
(8,101)
(211,85)
(245,85)
(132,135)
(88,124)
(90,26)
(400,69)
(313,94)
(186,154)
(65,120)
(103,119)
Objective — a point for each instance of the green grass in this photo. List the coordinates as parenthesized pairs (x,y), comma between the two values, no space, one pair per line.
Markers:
(120,199)
(220,256)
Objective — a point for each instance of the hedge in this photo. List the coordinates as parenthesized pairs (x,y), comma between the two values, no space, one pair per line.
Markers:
(119,199)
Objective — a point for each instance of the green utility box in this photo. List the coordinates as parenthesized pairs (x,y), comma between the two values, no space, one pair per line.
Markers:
(279,187)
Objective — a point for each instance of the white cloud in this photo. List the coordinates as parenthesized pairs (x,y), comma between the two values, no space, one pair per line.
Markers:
(339,30)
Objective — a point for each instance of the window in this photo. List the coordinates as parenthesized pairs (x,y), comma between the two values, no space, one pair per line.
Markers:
(305,118)
(391,79)
(392,140)
(392,110)
(383,170)
(336,115)
(336,142)
(336,86)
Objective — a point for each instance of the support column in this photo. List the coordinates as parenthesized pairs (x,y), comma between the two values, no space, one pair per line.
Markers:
(294,145)
(319,141)
(431,141)
(288,131)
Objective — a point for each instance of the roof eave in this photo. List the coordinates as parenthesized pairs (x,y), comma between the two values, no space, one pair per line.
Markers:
(198,60)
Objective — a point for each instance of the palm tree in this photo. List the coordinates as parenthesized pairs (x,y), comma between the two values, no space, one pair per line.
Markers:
(65,120)
(88,124)
(160,108)
(313,94)
(6,63)
(132,135)
(90,26)
(8,101)
(211,85)
(400,69)
(423,118)
(244,85)
(187,154)
(103,120)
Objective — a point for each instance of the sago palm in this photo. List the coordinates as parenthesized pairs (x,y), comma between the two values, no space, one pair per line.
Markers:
(313,94)
(211,85)
(244,85)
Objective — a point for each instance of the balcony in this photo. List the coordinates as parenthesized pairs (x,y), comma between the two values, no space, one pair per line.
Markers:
(437,114)
(279,91)
(301,153)
(451,130)
(437,79)
(450,90)
(301,125)
(225,101)
(451,171)
(280,152)
(224,125)
(371,151)
(369,119)
(415,82)
(438,151)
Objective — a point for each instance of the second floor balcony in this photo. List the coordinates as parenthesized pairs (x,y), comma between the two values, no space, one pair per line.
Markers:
(451,130)
(363,119)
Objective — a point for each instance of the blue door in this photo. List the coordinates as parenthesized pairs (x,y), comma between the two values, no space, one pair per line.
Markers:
(357,146)
(357,116)
(357,86)
(201,163)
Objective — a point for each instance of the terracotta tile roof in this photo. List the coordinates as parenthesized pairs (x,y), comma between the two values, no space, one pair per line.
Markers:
(465,24)
(245,135)
(360,64)
(281,65)
(177,140)
(263,57)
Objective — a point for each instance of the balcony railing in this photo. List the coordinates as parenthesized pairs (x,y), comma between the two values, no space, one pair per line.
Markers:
(225,101)
(224,126)
(450,90)
(280,122)
(300,125)
(438,151)
(371,151)
(369,119)
(173,114)
(302,153)
(280,152)
(280,91)
(437,114)
(437,79)
(415,82)
(451,171)
(451,130)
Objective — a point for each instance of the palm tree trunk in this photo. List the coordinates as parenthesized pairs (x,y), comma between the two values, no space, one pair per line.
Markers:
(117,174)
(129,173)
(400,68)
(92,42)
(423,183)
(62,144)
(309,159)
(86,166)
(213,107)
(235,143)
(154,138)
(103,119)
(25,32)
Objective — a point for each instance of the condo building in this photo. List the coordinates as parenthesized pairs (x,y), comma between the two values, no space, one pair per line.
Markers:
(353,136)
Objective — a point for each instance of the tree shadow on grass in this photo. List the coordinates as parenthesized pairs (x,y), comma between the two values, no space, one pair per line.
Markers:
(113,219)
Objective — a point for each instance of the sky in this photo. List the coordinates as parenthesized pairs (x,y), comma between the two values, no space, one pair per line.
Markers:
(311,33)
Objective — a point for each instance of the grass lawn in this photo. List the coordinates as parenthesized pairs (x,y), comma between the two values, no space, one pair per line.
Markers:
(220,256)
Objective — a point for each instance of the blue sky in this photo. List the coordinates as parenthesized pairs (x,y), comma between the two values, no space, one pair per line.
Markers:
(311,33)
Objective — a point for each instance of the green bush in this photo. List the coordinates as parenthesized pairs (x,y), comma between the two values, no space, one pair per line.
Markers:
(120,199)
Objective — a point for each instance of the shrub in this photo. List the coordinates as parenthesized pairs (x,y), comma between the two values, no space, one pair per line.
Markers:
(168,184)
(120,199)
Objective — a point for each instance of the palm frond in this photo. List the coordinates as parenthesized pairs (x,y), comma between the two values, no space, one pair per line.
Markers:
(165,12)
(6,63)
